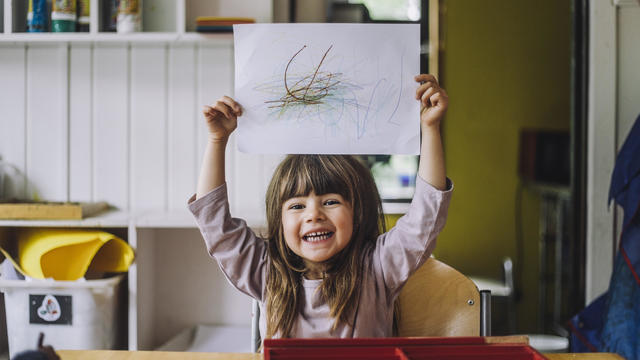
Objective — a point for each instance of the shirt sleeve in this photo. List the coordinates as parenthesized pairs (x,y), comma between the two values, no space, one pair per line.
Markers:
(241,255)
(404,248)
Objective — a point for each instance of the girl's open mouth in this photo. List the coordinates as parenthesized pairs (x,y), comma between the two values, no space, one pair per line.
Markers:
(318,236)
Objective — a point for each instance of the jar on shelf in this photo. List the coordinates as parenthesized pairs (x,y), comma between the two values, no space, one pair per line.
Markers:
(37,16)
(63,16)
(83,16)
(129,16)
(110,15)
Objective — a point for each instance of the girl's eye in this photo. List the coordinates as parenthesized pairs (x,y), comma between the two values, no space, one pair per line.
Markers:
(296,207)
(332,202)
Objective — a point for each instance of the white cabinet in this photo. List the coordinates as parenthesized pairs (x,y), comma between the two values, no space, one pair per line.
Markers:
(162,20)
(111,117)
(173,284)
(121,122)
(117,117)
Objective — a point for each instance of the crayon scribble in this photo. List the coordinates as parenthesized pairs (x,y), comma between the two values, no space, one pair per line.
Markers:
(313,92)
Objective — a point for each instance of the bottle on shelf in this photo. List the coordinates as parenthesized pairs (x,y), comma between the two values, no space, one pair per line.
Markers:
(63,16)
(110,15)
(37,16)
(129,16)
(83,16)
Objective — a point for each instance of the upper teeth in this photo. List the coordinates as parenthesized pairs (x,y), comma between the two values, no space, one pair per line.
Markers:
(317,236)
(317,233)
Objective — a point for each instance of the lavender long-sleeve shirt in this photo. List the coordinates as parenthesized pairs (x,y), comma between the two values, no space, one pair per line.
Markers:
(398,253)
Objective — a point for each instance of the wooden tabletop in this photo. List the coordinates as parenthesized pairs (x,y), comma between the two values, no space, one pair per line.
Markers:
(584,356)
(149,355)
(163,355)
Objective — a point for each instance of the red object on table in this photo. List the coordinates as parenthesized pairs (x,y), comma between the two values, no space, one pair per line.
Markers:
(448,348)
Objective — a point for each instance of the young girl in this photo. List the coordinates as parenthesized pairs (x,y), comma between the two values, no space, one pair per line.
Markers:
(324,269)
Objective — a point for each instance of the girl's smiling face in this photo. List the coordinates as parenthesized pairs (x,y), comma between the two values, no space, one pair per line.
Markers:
(316,227)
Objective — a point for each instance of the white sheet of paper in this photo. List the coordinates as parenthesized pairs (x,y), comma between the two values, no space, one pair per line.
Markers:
(327,88)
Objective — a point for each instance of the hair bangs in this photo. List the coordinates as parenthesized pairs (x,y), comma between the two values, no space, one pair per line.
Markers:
(307,174)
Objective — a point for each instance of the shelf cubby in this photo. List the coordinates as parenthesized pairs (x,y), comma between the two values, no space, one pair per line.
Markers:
(162,21)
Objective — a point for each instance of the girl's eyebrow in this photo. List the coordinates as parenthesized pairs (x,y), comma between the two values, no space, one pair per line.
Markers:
(294,198)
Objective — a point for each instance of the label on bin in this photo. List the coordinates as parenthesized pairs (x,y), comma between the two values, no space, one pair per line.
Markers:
(50,309)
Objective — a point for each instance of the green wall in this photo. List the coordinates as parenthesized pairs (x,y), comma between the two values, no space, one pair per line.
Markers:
(506,66)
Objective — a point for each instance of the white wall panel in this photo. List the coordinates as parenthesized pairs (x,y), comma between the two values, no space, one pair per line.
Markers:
(628,72)
(248,181)
(614,52)
(628,91)
(183,117)
(47,122)
(80,123)
(601,149)
(110,124)
(215,79)
(12,119)
(248,175)
(148,127)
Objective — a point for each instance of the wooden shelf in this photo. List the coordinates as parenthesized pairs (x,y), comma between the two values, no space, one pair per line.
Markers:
(154,219)
(160,219)
(111,218)
(163,21)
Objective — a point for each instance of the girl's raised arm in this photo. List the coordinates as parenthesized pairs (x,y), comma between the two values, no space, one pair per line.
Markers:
(221,119)
(434,102)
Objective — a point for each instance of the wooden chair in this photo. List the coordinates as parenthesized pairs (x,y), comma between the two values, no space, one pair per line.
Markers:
(437,300)
(440,301)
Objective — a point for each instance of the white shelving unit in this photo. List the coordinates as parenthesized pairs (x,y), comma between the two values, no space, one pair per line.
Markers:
(166,37)
(163,21)
(156,311)
(107,154)
(101,116)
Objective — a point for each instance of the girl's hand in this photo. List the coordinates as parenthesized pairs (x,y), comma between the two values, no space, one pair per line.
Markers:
(434,100)
(222,118)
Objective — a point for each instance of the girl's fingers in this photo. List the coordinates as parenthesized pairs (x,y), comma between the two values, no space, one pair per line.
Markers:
(210,112)
(224,109)
(423,78)
(425,86)
(426,96)
(225,106)
(443,97)
(232,104)
(439,99)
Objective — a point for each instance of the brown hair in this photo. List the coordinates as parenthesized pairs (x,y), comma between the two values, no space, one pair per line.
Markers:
(298,175)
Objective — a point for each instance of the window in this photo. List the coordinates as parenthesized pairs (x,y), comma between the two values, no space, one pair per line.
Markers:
(395,176)
(396,10)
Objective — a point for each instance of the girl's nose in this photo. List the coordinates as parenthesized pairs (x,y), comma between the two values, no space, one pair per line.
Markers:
(314,213)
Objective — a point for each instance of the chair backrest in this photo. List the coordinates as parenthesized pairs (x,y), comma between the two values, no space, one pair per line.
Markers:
(439,301)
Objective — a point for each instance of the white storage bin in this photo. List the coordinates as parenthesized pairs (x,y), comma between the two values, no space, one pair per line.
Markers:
(73,315)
